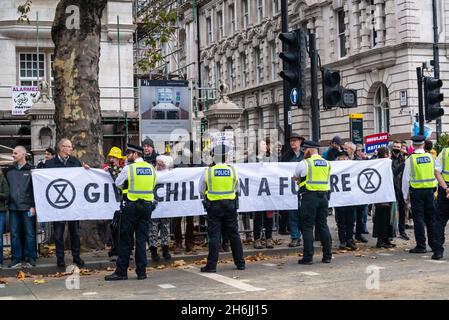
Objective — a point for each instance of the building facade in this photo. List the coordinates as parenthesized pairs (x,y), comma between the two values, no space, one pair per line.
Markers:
(376,45)
(26,52)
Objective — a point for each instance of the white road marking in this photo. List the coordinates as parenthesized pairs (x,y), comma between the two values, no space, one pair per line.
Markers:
(310,273)
(384,254)
(7,298)
(89,293)
(245,280)
(166,286)
(226,280)
(269,264)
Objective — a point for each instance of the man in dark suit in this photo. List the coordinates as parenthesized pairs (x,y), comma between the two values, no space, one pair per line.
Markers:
(64,159)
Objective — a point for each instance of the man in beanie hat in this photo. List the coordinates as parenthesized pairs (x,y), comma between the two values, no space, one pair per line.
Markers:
(149,153)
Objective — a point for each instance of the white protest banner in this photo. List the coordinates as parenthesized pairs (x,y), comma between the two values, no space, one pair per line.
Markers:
(269,186)
(80,194)
(66,194)
(361,182)
(22,99)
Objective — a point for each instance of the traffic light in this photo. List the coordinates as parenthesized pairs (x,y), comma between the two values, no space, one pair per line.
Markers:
(294,67)
(432,98)
(332,90)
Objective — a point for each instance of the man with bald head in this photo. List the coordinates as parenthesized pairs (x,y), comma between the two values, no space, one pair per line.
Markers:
(64,159)
(21,209)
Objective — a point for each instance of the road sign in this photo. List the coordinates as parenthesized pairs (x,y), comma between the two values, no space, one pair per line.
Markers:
(294,96)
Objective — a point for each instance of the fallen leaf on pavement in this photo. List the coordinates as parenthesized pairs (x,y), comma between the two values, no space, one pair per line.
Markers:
(202,261)
(85,272)
(21,275)
(160,267)
(3,281)
(39,281)
(110,269)
(178,263)
(357,255)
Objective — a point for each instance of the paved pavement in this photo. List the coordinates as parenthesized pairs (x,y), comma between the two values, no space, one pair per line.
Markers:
(270,274)
(401,275)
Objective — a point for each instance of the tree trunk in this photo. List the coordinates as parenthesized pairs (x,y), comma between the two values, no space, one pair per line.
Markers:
(77,96)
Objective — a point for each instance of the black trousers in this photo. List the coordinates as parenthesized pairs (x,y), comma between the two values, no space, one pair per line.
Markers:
(115,237)
(314,212)
(261,219)
(442,216)
(283,221)
(345,217)
(222,217)
(135,219)
(401,208)
(424,211)
(74,238)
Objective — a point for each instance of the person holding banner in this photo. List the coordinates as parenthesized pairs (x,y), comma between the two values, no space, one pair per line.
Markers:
(219,185)
(345,218)
(295,154)
(64,159)
(419,177)
(139,204)
(384,215)
(312,175)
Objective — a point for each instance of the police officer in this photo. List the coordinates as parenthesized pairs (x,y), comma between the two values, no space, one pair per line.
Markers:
(442,214)
(312,175)
(219,185)
(138,197)
(419,177)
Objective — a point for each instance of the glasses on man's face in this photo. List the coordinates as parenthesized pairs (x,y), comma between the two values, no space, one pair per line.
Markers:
(70,147)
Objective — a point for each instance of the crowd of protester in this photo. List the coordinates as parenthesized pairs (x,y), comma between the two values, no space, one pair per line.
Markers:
(16,198)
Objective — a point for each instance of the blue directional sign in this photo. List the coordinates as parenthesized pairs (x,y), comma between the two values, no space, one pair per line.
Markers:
(294,96)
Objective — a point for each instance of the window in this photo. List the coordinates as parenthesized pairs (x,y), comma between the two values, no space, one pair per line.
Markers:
(275,6)
(31,68)
(209,30)
(381,110)
(341,33)
(259,10)
(231,76)
(244,74)
(258,62)
(218,73)
(274,61)
(232,18)
(245,14)
(220,25)
(373,31)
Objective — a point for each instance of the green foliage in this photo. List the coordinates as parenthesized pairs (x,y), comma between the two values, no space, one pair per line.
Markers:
(158,25)
(23,10)
(442,142)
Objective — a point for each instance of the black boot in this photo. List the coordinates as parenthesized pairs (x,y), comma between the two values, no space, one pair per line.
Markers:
(154,255)
(165,252)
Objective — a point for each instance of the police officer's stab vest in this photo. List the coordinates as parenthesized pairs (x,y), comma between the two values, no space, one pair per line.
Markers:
(141,181)
(318,172)
(422,171)
(221,182)
(445,164)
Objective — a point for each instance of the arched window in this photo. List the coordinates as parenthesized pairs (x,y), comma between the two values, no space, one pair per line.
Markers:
(381,110)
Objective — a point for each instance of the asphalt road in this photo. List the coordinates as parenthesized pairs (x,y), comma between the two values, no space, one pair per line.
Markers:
(351,275)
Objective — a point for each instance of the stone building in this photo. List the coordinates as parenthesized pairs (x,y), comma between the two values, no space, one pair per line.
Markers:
(376,45)
(26,53)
